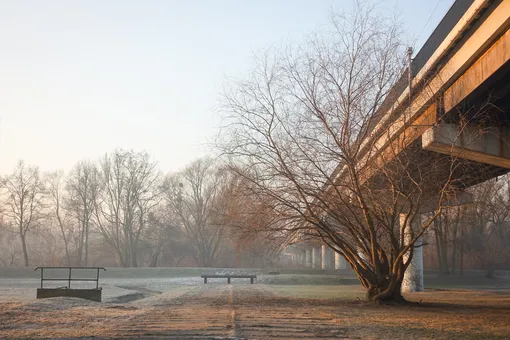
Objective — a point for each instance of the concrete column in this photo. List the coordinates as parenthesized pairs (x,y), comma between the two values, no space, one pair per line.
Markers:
(340,263)
(317,257)
(326,257)
(413,277)
(308,258)
(332,258)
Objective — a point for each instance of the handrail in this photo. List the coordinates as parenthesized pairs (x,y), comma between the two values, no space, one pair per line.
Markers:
(69,279)
(77,267)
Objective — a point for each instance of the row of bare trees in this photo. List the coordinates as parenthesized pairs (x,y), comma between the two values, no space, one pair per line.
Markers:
(198,215)
(474,235)
(120,210)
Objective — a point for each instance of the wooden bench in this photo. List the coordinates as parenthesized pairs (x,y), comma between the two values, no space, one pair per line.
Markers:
(229,276)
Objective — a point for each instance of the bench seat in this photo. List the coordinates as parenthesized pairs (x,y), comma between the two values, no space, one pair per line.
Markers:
(228,277)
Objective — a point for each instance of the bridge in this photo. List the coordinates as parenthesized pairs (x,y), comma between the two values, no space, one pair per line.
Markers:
(463,67)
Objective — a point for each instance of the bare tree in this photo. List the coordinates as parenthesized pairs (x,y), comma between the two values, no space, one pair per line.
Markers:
(164,240)
(130,191)
(10,245)
(24,202)
(83,190)
(300,129)
(446,232)
(191,195)
(251,224)
(47,248)
(56,196)
(487,224)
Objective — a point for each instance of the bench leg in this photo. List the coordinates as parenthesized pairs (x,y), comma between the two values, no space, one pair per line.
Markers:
(205,280)
(228,280)
(251,280)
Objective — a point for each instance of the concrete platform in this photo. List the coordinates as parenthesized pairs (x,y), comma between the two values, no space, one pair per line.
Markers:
(88,294)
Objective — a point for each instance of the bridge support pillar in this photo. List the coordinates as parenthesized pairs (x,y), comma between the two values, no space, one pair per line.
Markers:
(413,277)
(316,257)
(308,258)
(332,259)
(326,257)
(340,263)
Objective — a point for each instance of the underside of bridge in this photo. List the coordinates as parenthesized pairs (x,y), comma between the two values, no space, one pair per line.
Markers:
(466,121)
(453,125)
(473,113)
(476,131)
(456,129)
(471,141)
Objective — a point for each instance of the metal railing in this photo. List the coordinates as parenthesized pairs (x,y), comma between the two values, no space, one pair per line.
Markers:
(70,278)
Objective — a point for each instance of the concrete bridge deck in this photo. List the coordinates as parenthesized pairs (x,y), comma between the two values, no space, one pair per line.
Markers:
(457,107)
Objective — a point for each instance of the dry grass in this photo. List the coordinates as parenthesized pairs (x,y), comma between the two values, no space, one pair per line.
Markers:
(346,292)
(437,314)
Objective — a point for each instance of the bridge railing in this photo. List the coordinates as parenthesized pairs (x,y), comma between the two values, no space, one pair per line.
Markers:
(70,278)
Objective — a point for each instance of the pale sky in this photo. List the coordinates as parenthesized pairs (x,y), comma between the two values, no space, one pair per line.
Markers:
(79,78)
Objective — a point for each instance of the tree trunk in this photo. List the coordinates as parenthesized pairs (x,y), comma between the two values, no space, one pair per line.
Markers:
(66,246)
(454,249)
(461,250)
(62,230)
(86,261)
(384,286)
(134,262)
(80,243)
(454,257)
(122,260)
(25,251)
(154,259)
(389,290)
(490,269)
(441,245)
(444,246)
(438,250)
(68,257)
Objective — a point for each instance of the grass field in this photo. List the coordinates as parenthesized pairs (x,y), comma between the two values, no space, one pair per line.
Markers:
(149,303)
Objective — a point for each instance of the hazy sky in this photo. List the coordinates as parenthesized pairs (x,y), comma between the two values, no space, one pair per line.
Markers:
(81,78)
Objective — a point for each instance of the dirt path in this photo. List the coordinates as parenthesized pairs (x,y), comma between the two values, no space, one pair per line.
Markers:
(229,312)
(260,314)
(202,312)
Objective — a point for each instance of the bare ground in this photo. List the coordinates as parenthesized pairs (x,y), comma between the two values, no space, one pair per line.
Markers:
(220,311)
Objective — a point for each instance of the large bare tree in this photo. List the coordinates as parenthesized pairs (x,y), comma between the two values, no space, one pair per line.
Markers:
(130,191)
(83,190)
(192,196)
(300,129)
(25,194)
(55,182)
